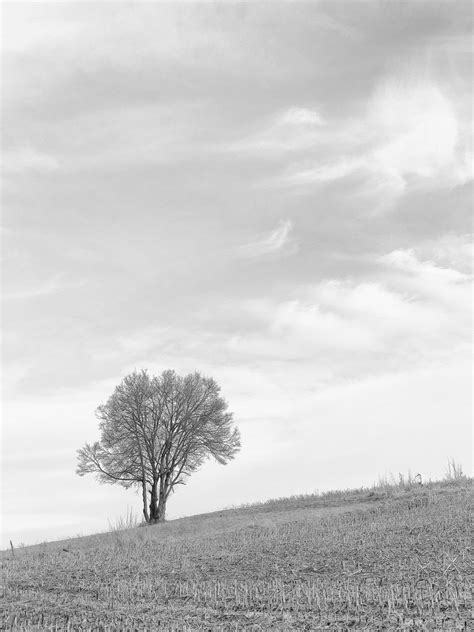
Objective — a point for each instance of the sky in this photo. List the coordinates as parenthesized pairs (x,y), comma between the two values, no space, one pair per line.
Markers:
(275,195)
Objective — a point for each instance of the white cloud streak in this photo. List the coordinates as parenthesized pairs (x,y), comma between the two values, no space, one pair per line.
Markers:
(292,130)
(48,287)
(410,135)
(270,244)
(416,312)
(18,160)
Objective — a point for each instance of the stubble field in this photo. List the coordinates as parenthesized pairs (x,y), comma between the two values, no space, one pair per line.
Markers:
(393,560)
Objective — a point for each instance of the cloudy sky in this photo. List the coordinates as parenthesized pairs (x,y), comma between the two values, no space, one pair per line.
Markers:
(276,195)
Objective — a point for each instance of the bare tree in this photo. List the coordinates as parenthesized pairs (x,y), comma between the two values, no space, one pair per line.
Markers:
(156,431)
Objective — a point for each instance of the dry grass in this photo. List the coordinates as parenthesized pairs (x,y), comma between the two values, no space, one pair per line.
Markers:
(369,560)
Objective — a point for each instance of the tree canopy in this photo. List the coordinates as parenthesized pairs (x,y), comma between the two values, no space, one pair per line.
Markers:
(157,431)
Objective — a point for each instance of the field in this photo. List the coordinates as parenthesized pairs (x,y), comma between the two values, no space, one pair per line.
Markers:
(394,559)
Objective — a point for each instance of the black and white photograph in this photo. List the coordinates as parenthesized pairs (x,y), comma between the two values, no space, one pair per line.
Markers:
(236,315)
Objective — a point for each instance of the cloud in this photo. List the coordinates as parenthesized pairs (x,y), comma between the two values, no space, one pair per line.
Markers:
(406,261)
(336,318)
(291,130)
(17,160)
(309,326)
(328,172)
(50,286)
(30,29)
(410,313)
(449,250)
(447,290)
(410,135)
(116,137)
(418,133)
(300,116)
(40,29)
(270,244)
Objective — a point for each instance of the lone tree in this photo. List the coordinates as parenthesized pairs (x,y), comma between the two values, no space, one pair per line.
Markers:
(157,431)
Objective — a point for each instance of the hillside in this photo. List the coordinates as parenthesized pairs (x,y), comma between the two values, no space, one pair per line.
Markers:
(389,559)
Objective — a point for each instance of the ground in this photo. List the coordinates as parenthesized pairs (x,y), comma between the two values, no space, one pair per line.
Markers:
(394,559)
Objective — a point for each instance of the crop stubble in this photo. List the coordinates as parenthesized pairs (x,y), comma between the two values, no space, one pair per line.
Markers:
(398,564)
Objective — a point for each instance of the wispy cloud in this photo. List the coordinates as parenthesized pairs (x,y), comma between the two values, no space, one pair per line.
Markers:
(449,250)
(291,130)
(410,135)
(50,286)
(413,312)
(270,244)
(447,290)
(326,172)
(17,160)
(114,138)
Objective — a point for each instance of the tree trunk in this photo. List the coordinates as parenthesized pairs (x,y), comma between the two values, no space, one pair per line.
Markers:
(146,515)
(161,509)
(158,498)
(153,503)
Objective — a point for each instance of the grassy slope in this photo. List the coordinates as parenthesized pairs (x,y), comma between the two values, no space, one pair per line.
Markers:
(390,559)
